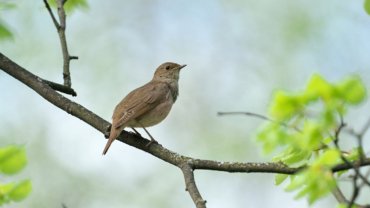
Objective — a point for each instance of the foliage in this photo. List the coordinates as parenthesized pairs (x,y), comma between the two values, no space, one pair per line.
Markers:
(367,6)
(13,160)
(305,128)
(5,32)
(71,5)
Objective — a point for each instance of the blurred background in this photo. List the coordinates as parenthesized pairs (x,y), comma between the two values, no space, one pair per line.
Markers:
(237,52)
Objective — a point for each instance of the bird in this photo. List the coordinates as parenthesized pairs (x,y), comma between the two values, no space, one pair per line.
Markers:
(147,105)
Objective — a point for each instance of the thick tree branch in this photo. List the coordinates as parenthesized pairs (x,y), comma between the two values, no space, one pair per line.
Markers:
(157,150)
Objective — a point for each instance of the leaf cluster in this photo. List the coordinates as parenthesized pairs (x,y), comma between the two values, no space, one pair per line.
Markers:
(12,161)
(304,129)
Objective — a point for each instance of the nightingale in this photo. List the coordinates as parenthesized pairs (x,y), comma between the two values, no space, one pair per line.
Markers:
(147,105)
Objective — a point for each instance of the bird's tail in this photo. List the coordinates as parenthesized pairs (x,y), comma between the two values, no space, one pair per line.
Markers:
(113,135)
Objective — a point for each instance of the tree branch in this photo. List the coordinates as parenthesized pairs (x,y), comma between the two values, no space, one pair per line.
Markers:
(258,116)
(338,194)
(356,167)
(61,27)
(61,88)
(365,128)
(56,24)
(157,150)
(191,187)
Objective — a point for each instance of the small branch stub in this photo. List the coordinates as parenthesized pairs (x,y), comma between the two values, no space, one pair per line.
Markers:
(61,88)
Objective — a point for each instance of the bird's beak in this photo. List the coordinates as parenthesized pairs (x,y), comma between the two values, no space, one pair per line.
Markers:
(182,66)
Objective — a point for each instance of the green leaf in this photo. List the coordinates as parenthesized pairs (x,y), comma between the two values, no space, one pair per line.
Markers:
(367,6)
(352,90)
(312,136)
(330,158)
(4,191)
(279,178)
(314,182)
(74,4)
(344,205)
(5,33)
(7,5)
(14,191)
(296,182)
(12,159)
(310,119)
(304,191)
(284,106)
(21,190)
(319,87)
(317,180)
(294,157)
(354,154)
(273,135)
(71,5)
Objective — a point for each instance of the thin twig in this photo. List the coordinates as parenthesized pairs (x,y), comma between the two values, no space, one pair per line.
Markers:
(356,188)
(247,114)
(63,42)
(365,128)
(362,155)
(258,116)
(338,131)
(56,24)
(61,27)
(338,194)
(359,136)
(366,176)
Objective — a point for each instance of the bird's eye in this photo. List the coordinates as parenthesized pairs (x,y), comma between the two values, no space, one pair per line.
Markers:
(167,67)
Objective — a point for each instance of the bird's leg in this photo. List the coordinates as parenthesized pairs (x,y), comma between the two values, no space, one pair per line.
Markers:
(152,140)
(107,131)
(136,132)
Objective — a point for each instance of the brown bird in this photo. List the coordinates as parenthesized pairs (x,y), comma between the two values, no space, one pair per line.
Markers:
(147,105)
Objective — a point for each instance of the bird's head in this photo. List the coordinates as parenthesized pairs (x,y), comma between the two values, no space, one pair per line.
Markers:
(168,71)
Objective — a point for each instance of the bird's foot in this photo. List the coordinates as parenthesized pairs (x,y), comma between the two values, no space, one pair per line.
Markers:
(152,141)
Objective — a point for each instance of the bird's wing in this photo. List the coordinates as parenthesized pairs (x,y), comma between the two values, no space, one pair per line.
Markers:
(139,101)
